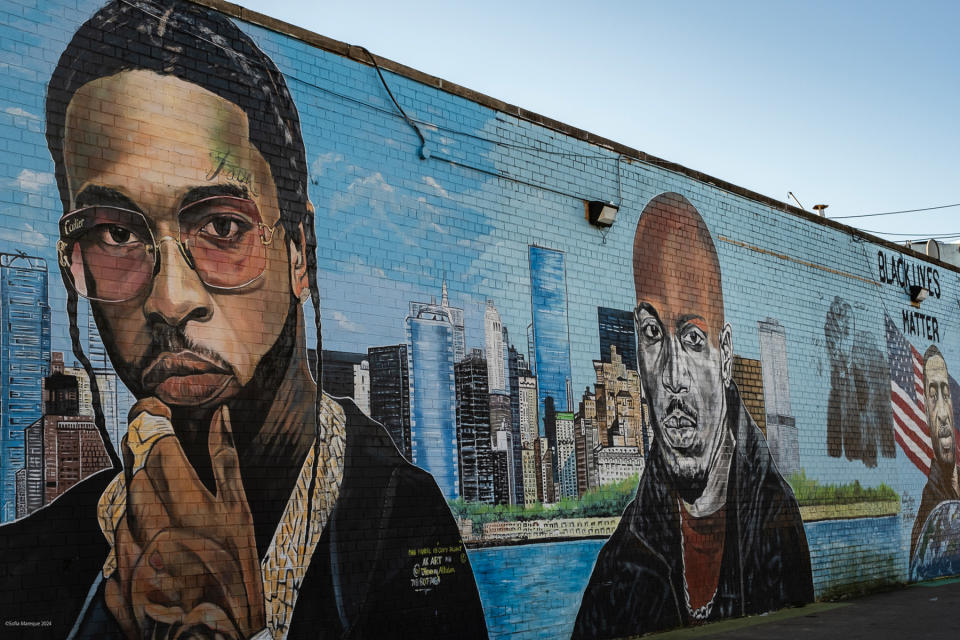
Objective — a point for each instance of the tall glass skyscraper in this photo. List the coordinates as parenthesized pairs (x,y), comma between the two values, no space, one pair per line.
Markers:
(473,429)
(782,435)
(493,339)
(390,392)
(24,363)
(516,362)
(433,399)
(456,319)
(551,332)
(616,329)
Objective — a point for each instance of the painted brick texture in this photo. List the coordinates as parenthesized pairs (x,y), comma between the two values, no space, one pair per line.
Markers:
(201,217)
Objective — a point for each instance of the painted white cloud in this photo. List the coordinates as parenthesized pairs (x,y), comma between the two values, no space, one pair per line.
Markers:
(372,206)
(32,236)
(28,235)
(368,202)
(436,186)
(359,265)
(345,323)
(18,112)
(373,182)
(323,161)
(33,181)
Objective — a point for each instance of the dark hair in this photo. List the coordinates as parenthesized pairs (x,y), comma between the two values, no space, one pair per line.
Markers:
(202,47)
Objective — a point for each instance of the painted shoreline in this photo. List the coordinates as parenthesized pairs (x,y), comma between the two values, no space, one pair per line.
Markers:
(871,509)
(490,544)
(809,513)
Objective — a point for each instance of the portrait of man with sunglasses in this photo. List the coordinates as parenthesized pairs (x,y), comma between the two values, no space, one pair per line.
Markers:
(244,501)
(714,530)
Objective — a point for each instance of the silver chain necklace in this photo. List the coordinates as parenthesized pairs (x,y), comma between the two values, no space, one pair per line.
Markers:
(699,614)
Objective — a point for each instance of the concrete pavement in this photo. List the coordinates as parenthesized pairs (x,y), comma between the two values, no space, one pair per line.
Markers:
(929,610)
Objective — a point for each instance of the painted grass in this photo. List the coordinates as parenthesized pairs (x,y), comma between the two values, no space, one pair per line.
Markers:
(608,500)
(810,492)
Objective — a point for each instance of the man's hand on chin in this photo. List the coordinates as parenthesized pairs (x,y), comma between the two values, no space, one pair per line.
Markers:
(187,563)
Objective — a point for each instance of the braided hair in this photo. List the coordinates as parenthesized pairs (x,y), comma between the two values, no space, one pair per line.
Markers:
(202,47)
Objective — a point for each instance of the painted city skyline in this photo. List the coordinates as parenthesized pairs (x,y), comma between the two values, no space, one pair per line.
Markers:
(412,388)
(531,439)
(24,363)
(467,406)
(31,417)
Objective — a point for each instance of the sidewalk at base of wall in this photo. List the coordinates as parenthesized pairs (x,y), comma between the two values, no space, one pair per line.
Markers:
(927,610)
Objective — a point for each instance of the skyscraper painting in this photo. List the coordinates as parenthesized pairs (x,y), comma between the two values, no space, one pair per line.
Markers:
(456,319)
(433,418)
(390,392)
(616,329)
(551,332)
(495,344)
(473,429)
(782,435)
(24,363)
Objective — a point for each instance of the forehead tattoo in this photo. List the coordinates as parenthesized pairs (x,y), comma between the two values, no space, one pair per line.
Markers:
(232,171)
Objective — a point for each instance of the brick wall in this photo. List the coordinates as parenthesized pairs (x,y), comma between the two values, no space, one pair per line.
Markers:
(749,378)
(790,380)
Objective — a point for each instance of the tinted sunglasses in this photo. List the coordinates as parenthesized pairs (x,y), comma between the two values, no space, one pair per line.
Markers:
(110,254)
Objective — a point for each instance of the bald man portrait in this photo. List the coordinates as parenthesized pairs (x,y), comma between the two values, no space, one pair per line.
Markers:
(714,530)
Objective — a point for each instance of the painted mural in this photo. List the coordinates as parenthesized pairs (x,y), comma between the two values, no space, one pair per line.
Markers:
(858,413)
(248,503)
(278,361)
(942,486)
(715,531)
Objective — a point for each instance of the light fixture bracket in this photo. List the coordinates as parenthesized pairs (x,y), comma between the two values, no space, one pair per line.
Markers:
(601,213)
(918,294)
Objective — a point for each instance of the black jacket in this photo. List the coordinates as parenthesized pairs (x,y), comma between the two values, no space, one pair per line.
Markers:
(363,575)
(939,488)
(637,583)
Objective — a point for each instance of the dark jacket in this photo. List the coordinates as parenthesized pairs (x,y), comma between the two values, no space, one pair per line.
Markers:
(939,488)
(362,580)
(637,584)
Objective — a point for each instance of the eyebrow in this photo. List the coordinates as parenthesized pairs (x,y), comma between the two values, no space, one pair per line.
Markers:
(94,195)
(646,306)
(684,319)
(227,189)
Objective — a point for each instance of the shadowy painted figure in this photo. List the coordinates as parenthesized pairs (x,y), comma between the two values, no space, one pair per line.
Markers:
(859,423)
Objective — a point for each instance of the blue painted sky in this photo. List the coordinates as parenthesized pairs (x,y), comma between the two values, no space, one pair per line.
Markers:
(851,104)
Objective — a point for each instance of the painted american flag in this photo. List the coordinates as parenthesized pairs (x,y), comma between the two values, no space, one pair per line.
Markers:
(906,398)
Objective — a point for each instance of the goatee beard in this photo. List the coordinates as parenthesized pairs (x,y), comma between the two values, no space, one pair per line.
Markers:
(689,483)
(691,487)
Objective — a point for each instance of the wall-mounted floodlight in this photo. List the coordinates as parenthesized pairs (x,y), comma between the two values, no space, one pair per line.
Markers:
(600,213)
(918,294)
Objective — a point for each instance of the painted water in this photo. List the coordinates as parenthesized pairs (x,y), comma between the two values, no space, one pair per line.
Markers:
(533,591)
(836,561)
